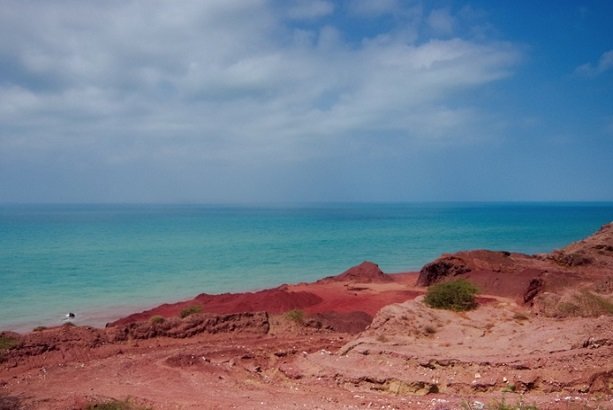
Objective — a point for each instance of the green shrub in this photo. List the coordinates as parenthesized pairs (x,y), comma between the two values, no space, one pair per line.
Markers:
(157,319)
(568,309)
(429,330)
(583,303)
(458,295)
(520,316)
(114,405)
(6,342)
(190,311)
(295,315)
(382,339)
(593,305)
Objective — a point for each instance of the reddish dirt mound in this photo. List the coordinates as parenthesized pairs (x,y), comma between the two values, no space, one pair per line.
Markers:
(442,267)
(523,277)
(277,300)
(331,294)
(595,251)
(365,272)
(246,322)
(498,273)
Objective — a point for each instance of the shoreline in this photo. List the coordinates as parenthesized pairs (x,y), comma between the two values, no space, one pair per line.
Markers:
(94,318)
(91,259)
(99,318)
(348,340)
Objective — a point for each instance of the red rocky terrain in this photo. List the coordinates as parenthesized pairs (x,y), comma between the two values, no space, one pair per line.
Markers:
(542,334)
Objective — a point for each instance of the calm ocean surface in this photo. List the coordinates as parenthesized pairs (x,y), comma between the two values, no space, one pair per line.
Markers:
(103,260)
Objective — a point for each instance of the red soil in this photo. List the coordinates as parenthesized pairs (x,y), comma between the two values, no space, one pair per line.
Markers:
(365,272)
(409,357)
(276,300)
(364,288)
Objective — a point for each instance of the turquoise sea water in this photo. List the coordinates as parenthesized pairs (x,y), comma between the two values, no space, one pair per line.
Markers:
(100,261)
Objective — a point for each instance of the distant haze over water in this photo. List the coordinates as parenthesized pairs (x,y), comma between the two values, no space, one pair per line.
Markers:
(103,260)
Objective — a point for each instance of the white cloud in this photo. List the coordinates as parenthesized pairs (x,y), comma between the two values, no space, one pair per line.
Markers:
(223,81)
(605,63)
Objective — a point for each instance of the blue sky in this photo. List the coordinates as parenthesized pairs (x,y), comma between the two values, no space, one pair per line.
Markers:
(243,101)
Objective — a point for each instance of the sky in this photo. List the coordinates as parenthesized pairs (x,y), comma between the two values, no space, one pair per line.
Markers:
(266,101)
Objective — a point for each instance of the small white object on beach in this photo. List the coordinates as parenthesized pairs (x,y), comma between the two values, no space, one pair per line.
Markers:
(69,316)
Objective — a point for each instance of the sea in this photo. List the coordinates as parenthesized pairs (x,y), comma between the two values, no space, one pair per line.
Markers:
(104,261)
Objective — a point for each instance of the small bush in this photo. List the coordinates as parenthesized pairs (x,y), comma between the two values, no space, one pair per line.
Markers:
(6,342)
(568,309)
(295,315)
(429,330)
(156,320)
(520,316)
(115,405)
(593,305)
(581,303)
(382,339)
(190,311)
(458,295)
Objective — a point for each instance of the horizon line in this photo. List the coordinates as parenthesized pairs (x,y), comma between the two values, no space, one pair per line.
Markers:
(303,203)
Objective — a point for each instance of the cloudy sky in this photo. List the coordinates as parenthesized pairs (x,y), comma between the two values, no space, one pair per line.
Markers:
(243,101)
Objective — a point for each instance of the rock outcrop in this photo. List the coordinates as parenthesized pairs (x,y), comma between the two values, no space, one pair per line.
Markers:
(365,272)
(412,349)
(444,267)
(68,338)
(245,322)
(586,263)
